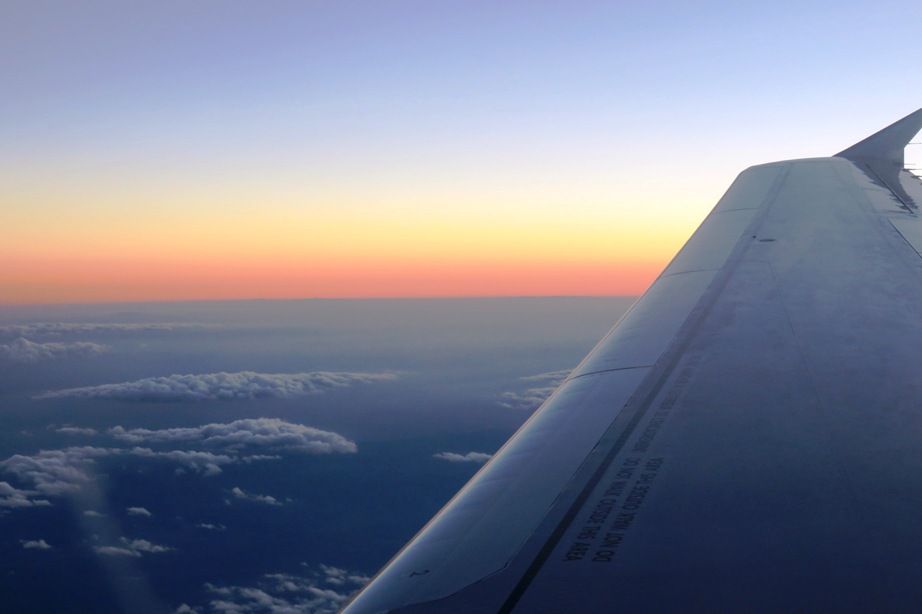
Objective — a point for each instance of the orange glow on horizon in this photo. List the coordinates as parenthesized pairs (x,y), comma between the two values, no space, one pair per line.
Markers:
(446,251)
(129,281)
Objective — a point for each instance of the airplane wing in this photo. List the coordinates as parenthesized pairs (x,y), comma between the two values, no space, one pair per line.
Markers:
(747,437)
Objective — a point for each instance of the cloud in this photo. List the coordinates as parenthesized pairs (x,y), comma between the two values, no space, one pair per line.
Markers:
(55,472)
(220,386)
(132,548)
(266,433)
(138,511)
(64,471)
(206,463)
(12,497)
(75,430)
(24,351)
(93,514)
(35,544)
(239,493)
(323,590)
(470,457)
(531,398)
(340,577)
(51,473)
(211,527)
(65,328)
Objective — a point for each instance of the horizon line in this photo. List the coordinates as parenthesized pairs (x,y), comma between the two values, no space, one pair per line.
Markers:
(313,298)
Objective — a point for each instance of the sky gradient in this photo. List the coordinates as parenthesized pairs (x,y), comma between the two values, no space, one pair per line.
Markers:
(174,150)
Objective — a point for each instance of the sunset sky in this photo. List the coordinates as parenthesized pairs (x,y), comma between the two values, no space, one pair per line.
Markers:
(212,150)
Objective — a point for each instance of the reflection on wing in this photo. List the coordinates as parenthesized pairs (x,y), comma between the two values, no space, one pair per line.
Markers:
(746,437)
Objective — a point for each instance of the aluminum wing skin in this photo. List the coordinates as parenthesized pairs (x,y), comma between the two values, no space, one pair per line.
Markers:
(748,436)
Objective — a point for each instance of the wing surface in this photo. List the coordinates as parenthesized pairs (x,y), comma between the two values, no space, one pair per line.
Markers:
(747,436)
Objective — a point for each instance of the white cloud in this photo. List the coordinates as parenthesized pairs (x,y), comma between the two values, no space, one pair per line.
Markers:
(206,463)
(55,472)
(12,497)
(532,397)
(470,457)
(138,511)
(208,526)
(132,548)
(339,576)
(50,473)
(59,472)
(220,386)
(75,430)
(238,435)
(142,545)
(93,514)
(239,493)
(324,590)
(35,544)
(26,352)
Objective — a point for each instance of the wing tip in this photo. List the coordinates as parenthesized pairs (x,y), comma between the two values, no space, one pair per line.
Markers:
(887,144)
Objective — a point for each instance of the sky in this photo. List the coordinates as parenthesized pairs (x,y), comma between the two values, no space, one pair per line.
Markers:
(155,151)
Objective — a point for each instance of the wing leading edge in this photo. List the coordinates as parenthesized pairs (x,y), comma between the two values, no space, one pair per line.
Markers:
(747,435)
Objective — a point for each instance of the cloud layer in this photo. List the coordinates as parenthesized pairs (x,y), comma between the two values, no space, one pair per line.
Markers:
(220,386)
(471,457)
(23,351)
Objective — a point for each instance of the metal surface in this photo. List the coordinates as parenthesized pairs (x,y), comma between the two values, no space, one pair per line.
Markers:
(748,436)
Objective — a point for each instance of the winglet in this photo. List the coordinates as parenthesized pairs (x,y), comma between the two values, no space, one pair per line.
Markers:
(888,144)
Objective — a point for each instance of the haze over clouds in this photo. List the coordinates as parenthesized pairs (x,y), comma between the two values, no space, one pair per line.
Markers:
(532,397)
(271,433)
(62,328)
(470,457)
(221,386)
(24,351)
